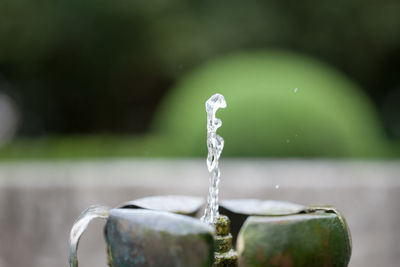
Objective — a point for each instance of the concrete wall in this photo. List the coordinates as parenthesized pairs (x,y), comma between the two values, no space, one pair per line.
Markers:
(40,201)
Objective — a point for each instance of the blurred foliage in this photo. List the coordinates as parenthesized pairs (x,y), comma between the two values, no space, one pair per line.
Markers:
(90,66)
(74,147)
(279,104)
(94,67)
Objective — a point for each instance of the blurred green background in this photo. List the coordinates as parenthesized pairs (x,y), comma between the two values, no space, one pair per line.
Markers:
(95,78)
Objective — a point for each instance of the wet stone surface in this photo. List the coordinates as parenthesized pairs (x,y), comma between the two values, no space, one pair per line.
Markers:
(240,209)
(139,237)
(186,205)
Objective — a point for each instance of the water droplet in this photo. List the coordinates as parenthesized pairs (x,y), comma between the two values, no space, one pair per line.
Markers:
(295,90)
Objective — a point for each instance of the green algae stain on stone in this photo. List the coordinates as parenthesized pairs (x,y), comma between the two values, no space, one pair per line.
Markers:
(229,259)
(222,226)
(109,257)
(224,255)
(223,243)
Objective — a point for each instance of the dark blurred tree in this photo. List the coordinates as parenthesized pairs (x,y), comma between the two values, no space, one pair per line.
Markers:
(103,66)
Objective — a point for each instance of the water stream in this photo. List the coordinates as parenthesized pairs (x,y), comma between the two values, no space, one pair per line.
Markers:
(215,144)
(79,228)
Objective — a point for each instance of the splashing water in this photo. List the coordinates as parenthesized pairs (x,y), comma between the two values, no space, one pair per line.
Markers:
(215,144)
(79,228)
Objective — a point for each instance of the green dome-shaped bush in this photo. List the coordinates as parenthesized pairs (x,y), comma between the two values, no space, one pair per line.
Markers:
(278,104)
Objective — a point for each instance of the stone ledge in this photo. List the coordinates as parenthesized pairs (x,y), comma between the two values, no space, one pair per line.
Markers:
(40,200)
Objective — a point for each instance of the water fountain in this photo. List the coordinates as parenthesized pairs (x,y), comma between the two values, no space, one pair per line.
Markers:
(165,230)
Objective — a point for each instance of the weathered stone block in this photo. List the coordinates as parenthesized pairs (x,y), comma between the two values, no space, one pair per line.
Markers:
(314,239)
(144,238)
